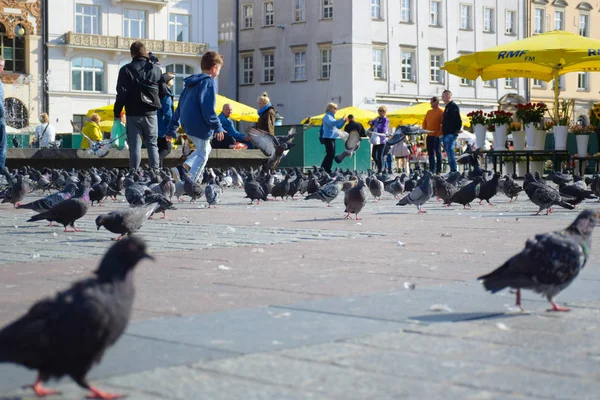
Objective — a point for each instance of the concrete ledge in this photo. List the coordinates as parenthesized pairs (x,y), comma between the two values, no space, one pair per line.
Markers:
(78,158)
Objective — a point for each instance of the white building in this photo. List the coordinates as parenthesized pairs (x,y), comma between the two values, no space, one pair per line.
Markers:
(365,53)
(89,41)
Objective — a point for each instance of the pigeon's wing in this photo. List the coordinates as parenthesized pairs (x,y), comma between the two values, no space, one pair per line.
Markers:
(289,137)
(353,140)
(397,137)
(263,141)
(341,134)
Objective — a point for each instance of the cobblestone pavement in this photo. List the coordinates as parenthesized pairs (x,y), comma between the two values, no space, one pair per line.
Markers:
(287,300)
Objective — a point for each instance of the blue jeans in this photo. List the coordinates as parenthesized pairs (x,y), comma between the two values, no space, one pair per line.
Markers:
(2,143)
(434,151)
(449,142)
(388,162)
(197,160)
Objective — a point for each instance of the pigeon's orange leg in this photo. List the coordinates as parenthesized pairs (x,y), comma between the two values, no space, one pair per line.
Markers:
(40,391)
(518,302)
(98,394)
(556,307)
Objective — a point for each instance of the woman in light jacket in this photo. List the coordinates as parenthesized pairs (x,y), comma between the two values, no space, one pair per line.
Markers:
(329,136)
(45,133)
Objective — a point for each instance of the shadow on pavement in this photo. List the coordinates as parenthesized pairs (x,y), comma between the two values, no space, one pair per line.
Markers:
(462,317)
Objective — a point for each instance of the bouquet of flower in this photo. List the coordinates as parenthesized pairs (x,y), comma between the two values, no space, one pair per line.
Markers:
(514,127)
(564,114)
(477,117)
(531,112)
(548,125)
(582,129)
(499,117)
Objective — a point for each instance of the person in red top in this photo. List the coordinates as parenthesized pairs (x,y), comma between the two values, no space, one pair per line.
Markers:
(433,122)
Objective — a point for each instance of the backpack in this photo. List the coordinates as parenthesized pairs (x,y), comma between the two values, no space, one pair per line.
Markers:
(148,91)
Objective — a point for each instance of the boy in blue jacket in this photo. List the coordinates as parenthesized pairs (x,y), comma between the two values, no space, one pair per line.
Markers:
(196,113)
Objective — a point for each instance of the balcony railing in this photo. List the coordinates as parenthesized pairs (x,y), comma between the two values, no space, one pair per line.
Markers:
(160,3)
(123,43)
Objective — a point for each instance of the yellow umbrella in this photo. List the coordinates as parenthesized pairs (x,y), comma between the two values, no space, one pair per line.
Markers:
(546,56)
(360,115)
(415,115)
(241,112)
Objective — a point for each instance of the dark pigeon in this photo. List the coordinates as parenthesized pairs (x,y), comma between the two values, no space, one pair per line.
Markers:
(558,177)
(511,188)
(66,212)
(46,203)
(355,199)
(125,222)
(548,263)
(443,190)
(543,195)
(466,194)
(575,195)
(489,189)
(16,191)
(253,190)
(98,193)
(164,204)
(191,188)
(68,334)
(282,188)
(274,147)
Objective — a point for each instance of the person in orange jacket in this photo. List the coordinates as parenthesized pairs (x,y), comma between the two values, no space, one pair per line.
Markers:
(92,131)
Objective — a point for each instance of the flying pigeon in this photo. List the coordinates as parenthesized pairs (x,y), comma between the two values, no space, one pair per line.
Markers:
(351,144)
(274,147)
(548,263)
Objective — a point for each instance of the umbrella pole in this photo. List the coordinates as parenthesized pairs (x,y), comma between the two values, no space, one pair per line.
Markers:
(556,93)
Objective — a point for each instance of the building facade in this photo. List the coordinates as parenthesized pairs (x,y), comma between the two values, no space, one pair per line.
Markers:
(89,42)
(576,17)
(306,53)
(23,77)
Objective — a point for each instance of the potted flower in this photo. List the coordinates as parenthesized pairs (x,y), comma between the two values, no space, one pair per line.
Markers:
(500,119)
(531,115)
(479,122)
(562,116)
(582,135)
(518,136)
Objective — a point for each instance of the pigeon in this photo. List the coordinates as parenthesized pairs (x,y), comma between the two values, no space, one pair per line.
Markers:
(46,203)
(69,333)
(327,193)
(16,191)
(543,195)
(443,190)
(400,134)
(548,263)
(573,194)
(376,188)
(351,144)
(66,212)
(274,147)
(559,178)
(489,189)
(355,199)
(282,188)
(212,193)
(395,186)
(166,187)
(579,182)
(134,193)
(466,194)
(253,190)
(125,222)
(419,195)
(511,188)
(98,193)
(191,188)
(161,200)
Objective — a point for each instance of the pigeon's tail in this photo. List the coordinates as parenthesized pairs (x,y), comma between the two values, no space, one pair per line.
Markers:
(340,157)
(38,217)
(566,205)
(496,280)
(29,206)
(314,196)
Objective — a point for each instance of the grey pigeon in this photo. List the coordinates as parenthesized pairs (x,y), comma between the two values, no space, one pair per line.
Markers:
(376,188)
(574,195)
(16,191)
(66,212)
(212,193)
(548,263)
(543,195)
(161,200)
(191,188)
(69,333)
(51,200)
(511,188)
(327,193)
(134,194)
(442,189)
(395,186)
(419,195)
(274,147)
(355,199)
(351,144)
(125,222)
(558,177)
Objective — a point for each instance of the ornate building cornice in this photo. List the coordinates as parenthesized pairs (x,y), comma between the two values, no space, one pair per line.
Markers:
(13,13)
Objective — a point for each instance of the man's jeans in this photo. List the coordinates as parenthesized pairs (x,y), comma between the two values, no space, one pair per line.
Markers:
(434,151)
(139,127)
(449,142)
(197,160)
(3,143)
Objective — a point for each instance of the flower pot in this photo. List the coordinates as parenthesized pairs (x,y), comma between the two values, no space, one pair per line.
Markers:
(540,140)
(519,140)
(582,145)
(521,168)
(509,168)
(531,134)
(560,137)
(536,166)
(480,131)
(500,137)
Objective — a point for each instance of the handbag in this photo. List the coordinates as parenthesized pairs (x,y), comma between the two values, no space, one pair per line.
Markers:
(36,143)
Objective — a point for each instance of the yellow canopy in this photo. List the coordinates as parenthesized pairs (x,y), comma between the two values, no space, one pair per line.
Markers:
(360,115)
(415,115)
(545,56)
(241,112)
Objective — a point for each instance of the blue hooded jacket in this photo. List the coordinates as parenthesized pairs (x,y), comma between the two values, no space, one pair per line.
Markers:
(196,109)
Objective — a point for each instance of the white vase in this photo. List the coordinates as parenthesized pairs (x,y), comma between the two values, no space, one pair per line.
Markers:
(530,133)
(500,137)
(521,168)
(582,145)
(536,166)
(560,136)
(518,140)
(540,140)
(480,131)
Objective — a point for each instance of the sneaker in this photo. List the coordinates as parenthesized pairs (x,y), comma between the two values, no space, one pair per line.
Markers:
(175,174)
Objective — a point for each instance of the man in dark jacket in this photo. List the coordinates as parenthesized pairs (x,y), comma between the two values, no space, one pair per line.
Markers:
(451,127)
(352,125)
(141,116)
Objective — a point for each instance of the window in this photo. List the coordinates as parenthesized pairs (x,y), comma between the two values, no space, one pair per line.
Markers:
(434,12)
(583,81)
(179,28)
(584,25)
(268,67)
(247,75)
(300,65)
(247,16)
(16,113)
(181,71)
(407,64)
(465,16)
(489,84)
(488,19)
(299,11)
(269,9)
(538,84)
(435,64)
(325,63)
(559,20)
(87,19)
(378,63)
(538,20)
(510,28)
(79,120)
(405,10)
(466,82)
(327,9)
(87,74)
(510,83)
(561,83)
(376,9)
(134,24)
(13,51)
